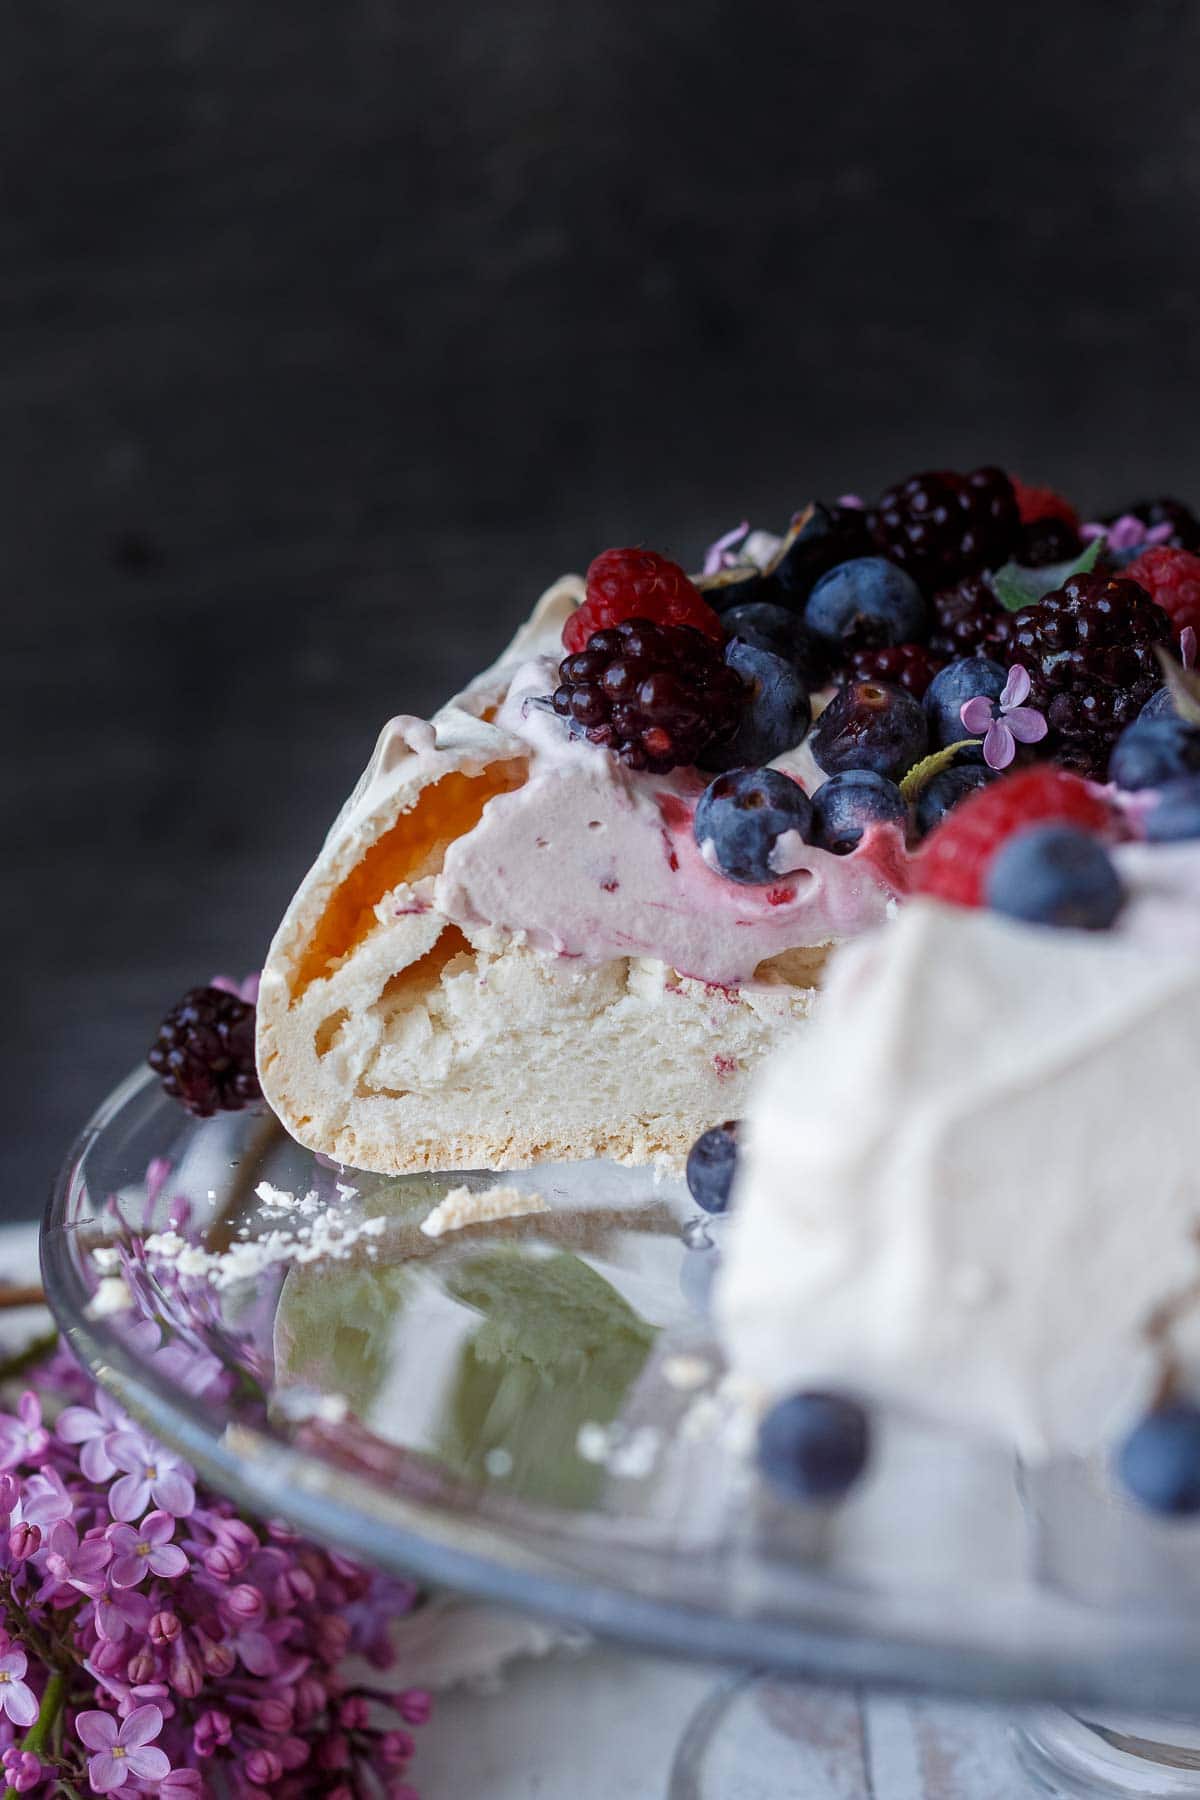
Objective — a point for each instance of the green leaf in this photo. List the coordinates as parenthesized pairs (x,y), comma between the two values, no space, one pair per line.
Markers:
(922,773)
(1184,685)
(1016,587)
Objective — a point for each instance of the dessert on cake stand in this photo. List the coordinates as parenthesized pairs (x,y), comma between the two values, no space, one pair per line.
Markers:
(535,1409)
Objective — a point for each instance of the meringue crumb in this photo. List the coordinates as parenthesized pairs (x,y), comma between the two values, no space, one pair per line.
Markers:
(462,1207)
(329,1236)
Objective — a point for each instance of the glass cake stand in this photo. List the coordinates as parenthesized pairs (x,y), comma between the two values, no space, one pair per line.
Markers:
(536,1411)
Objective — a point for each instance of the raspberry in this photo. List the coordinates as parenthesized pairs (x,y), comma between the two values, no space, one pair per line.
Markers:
(638,584)
(1042,503)
(1172,580)
(204,1052)
(910,666)
(1089,650)
(968,620)
(657,696)
(954,861)
(940,526)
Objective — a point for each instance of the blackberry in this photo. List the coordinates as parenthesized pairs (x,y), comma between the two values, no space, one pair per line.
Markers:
(941,526)
(1089,650)
(204,1052)
(655,695)
(968,620)
(1044,542)
(1185,526)
(911,666)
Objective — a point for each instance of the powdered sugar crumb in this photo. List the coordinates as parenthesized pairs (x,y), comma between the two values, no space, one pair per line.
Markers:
(329,1236)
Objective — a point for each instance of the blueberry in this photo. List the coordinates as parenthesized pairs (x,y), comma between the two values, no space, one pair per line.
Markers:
(1159,1462)
(949,690)
(814,1446)
(943,793)
(1177,814)
(770,627)
(846,804)
(1055,875)
(744,814)
(825,535)
(1160,705)
(1149,753)
(870,725)
(711,1165)
(775,715)
(867,603)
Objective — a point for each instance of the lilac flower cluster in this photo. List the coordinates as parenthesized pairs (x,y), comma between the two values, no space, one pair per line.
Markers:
(155,1642)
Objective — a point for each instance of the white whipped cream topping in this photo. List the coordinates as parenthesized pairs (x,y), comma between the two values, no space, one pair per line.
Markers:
(971,1187)
(589,860)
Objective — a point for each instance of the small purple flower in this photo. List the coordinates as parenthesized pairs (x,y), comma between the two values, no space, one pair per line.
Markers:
(151,1473)
(24,1541)
(16,1696)
(22,1769)
(119,1612)
(92,1427)
(145,1549)
(247,988)
(124,1752)
(44,1501)
(71,1564)
(1127,533)
(23,1438)
(716,557)
(1006,722)
(181,1784)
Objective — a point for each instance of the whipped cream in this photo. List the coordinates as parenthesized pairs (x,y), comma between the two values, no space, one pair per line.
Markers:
(970,1188)
(592,861)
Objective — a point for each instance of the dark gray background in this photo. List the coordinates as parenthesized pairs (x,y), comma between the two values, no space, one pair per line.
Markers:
(330,333)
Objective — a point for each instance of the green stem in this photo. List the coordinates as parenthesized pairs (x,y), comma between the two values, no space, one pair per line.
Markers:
(53,1701)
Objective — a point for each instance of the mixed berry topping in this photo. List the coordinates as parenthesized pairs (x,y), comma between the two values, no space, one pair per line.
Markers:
(1044,542)
(1171,577)
(870,725)
(1176,815)
(746,821)
(941,526)
(638,584)
(954,861)
(1089,649)
(814,1447)
(866,603)
(956,686)
(968,620)
(1159,1462)
(847,805)
(1055,875)
(910,666)
(775,711)
(711,1166)
(943,793)
(1183,523)
(204,1052)
(971,610)
(1153,752)
(1035,505)
(655,695)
